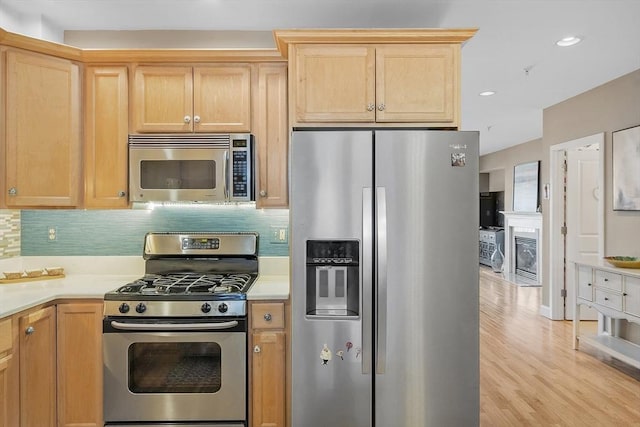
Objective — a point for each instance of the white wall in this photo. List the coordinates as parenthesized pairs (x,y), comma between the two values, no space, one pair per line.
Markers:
(32,25)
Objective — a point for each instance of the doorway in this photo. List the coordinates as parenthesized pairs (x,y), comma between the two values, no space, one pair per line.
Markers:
(577,206)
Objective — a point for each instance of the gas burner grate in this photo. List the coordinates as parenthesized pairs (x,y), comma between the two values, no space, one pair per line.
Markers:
(188,284)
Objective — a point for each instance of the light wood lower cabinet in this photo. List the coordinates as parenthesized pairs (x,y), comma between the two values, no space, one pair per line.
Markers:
(37,334)
(268,365)
(52,374)
(8,409)
(79,350)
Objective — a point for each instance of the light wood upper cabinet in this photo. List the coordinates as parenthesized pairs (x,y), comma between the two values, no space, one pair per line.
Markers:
(42,120)
(106,128)
(381,78)
(79,349)
(214,98)
(384,84)
(334,83)
(38,368)
(272,136)
(417,83)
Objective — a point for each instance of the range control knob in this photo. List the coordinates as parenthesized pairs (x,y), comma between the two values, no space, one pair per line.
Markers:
(206,307)
(141,308)
(222,308)
(124,308)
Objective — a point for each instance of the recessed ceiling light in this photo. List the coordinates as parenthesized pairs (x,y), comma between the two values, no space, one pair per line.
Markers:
(568,41)
(487,93)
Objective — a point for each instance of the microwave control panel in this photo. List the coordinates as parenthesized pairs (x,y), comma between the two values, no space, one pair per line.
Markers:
(241,166)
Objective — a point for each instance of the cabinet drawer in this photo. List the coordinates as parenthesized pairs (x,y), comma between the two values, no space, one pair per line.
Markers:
(609,299)
(585,279)
(267,315)
(612,281)
(632,295)
(5,336)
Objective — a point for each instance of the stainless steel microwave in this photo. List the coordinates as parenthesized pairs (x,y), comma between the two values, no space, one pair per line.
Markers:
(191,167)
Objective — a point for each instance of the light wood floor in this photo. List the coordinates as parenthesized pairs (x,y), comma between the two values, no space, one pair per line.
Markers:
(531,376)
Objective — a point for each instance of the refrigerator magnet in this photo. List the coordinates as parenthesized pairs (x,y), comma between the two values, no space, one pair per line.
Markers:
(340,354)
(458,159)
(349,344)
(325,355)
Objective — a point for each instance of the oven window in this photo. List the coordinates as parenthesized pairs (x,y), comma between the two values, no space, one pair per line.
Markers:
(178,174)
(183,367)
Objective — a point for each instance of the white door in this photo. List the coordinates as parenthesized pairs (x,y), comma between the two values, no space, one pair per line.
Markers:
(582,239)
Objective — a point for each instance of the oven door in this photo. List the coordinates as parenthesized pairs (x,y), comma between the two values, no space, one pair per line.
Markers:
(178,371)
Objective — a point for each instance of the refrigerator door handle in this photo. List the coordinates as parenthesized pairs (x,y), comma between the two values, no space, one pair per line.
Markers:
(381,280)
(367,279)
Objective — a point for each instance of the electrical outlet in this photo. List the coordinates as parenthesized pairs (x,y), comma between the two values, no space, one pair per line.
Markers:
(53,234)
(279,234)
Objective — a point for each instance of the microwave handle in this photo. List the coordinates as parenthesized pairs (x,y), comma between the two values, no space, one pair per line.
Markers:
(226,174)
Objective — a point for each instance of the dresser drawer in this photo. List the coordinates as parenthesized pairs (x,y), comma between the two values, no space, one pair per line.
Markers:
(609,299)
(585,286)
(267,315)
(612,281)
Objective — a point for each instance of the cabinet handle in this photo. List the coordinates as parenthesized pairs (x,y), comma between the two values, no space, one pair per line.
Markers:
(625,294)
(256,349)
(267,317)
(196,119)
(263,193)
(13,191)
(381,107)
(121,194)
(187,119)
(371,107)
(30,330)
(606,280)
(588,284)
(606,299)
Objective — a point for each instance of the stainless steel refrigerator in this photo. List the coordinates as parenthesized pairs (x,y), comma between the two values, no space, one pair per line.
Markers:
(384,252)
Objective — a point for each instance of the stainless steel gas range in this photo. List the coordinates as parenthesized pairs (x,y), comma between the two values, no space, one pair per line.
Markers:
(175,340)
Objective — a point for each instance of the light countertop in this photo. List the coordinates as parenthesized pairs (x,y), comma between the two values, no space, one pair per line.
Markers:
(272,284)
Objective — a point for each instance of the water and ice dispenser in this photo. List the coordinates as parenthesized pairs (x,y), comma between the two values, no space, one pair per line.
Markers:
(333,278)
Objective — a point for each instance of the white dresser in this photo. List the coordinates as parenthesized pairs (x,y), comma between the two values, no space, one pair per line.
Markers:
(615,293)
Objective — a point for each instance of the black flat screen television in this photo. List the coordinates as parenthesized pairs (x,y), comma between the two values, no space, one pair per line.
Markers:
(491,203)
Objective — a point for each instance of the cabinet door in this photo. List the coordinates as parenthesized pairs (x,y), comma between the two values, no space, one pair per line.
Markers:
(417,83)
(80,364)
(42,131)
(222,98)
(334,83)
(268,379)
(8,386)
(38,368)
(632,295)
(163,99)
(585,282)
(271,135)
(106,131)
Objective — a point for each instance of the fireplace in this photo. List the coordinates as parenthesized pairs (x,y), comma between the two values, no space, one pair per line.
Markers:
(526,257)
(523,243)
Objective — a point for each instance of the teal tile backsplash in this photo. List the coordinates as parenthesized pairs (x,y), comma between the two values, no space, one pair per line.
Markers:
(121,232)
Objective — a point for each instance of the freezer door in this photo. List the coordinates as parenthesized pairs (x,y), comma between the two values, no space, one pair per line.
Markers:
(427,348)
(331,199)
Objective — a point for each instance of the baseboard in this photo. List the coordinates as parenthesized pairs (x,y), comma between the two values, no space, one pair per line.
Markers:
(545,311)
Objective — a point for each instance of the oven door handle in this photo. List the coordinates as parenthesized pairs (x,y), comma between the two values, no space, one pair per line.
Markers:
(173,326)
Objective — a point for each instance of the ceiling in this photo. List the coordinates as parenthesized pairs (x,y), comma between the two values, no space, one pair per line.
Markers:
(513,53)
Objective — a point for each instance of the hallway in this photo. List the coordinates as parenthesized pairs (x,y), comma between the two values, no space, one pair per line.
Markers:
(531,376)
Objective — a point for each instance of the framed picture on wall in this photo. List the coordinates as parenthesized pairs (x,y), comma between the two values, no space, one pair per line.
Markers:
(626,169)
(526,197)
